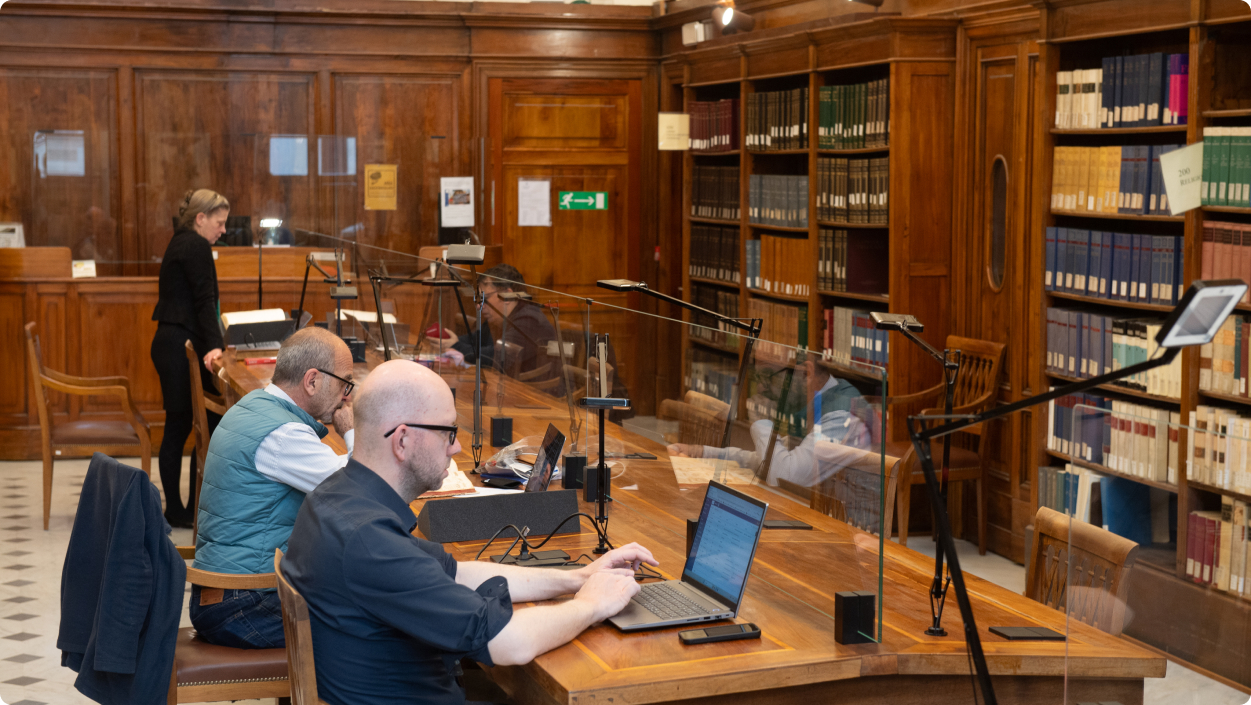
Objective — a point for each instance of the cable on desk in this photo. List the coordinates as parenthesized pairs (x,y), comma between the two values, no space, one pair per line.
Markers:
(520,536)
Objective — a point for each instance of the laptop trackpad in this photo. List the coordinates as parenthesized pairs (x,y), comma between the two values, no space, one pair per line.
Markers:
(633,614)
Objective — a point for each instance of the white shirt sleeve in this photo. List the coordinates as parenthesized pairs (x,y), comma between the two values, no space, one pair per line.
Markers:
(293,455)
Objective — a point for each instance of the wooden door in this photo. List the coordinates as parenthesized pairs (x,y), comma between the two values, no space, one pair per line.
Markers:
(581,135)
(992,260)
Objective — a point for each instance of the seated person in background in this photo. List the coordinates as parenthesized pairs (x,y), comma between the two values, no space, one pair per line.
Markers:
(838,407)
(525,328)
(391,613)
(264,456)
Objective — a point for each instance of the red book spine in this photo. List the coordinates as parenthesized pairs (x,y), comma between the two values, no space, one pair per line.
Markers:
(1192,543)
(1210,548)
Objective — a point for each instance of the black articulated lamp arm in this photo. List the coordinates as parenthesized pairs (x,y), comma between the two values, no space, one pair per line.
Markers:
(744,324)
(920,443)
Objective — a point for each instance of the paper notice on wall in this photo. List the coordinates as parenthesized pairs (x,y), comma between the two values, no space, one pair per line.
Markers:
(1183,177)
(11,235)
(380,187)
(675,131)
(534,203)
(456,201)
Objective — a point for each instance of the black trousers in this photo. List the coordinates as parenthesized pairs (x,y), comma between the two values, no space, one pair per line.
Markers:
(170,358)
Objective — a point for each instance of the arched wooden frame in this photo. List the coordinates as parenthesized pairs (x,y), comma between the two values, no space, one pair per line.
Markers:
(997,227)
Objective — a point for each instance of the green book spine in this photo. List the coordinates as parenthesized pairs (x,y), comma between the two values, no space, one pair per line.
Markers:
(1209,149)
(1222,170)
(802,333)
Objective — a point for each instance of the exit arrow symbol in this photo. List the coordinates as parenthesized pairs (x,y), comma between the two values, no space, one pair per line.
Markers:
(588,201)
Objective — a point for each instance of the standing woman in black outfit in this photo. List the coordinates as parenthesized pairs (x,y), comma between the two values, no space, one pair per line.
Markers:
(187,310)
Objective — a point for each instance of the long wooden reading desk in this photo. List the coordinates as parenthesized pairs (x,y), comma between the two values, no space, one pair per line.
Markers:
(790,596)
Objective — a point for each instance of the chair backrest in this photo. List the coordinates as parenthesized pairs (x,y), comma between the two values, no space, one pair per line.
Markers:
(854,493)
(199,415)
(228,391)
(696,426)
(35,359)
(1087,576)
(981,362)
(299,634)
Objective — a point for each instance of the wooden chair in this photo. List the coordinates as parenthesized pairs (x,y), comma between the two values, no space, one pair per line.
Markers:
(1101,562)
(541,378)
(205,672)
(228,393)
(852,494)
(299,633)
(980,366)
(201,404)
(129,437)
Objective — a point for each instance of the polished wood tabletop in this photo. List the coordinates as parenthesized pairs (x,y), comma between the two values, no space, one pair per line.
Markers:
(790,596)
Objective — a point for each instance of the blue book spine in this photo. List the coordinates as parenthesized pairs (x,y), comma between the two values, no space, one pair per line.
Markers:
(1118,92)
(1049,275)
(1141,64)
(1157,251)
(1096,264)
(1126,508)
(1109,95)
(1144,269)
(1105,277)
(1079,241)
(1064,275)
(1107,345)
(1153,163)
(1075,343)
(1142,174)
(1135,264)
(1155,83)
(1179,268)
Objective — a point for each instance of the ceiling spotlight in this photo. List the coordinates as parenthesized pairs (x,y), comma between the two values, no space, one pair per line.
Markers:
(730,20)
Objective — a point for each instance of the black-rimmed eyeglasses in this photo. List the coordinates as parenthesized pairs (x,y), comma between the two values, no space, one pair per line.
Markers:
(349,385)
(450,430)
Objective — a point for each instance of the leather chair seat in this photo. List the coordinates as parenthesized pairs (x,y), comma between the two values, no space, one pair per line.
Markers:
(100,433)
(197,661)
(960,457)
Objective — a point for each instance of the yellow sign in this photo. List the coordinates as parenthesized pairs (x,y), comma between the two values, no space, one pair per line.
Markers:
(380,187)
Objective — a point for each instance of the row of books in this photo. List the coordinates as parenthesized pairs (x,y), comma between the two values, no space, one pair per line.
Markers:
(855,116)
(1142,514)
(706,327)
(853,262)
(1226,251)
(1083,344)
(714,253)
(850,337)
(772,265)
(1114,179)
(714,192)
(777,120)
(1125,91)
(1216,548)
(790,417)
(711,373)
(1115,266)
(853,190)
(1226,166)
(1223,362)
(1132,439)
(785,329)
(714,125)
(778,200)
(1220,449)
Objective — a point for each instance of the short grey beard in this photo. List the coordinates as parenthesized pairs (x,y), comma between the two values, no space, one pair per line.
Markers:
(413,484)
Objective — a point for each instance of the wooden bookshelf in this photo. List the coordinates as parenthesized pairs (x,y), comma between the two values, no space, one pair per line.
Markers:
(1105,470)
(1216,41)
(1217,490)
(917,55)
(1108,302)
(1117,389)
(714,221)
(713,282)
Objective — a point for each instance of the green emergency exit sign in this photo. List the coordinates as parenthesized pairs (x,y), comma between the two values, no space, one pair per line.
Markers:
(583,201)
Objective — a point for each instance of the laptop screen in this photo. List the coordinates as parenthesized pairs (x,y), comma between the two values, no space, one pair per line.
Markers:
(725,542)
(549,451)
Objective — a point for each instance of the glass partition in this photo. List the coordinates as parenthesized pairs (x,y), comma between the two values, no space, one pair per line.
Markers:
(1110,542)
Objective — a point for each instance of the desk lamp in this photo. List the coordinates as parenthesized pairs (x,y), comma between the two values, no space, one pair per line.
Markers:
(1194,321)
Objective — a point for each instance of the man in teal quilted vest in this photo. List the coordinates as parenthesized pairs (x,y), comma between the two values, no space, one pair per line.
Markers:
(265,455)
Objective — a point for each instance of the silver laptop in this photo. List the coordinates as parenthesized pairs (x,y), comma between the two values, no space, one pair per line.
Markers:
(716,570)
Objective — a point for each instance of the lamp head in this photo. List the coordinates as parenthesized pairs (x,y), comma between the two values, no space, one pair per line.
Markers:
(896,321)
(514,296)
(465,254)
(621,285)
(731,20)
(1200,313)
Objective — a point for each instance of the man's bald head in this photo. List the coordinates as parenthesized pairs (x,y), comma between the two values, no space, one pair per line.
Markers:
(399,392)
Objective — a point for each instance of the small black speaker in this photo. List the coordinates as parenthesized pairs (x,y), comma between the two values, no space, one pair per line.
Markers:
(575,471)
(477,519)
(591,486)
(855,614)
(501,431)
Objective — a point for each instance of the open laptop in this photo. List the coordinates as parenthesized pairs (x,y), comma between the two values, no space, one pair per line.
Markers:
(716,570)
(549,451)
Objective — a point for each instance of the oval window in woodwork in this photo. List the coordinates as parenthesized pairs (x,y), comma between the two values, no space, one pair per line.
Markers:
(998,221)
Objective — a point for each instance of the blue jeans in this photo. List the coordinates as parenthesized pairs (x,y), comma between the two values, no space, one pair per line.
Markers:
(244,619)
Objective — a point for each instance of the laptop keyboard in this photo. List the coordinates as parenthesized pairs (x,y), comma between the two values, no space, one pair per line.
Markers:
(663,601)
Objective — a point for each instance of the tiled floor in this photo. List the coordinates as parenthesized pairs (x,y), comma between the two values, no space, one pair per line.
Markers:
(30,579)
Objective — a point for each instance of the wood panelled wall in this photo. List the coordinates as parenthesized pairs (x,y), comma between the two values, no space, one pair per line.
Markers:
(194,93)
